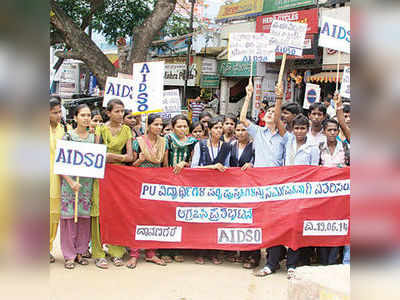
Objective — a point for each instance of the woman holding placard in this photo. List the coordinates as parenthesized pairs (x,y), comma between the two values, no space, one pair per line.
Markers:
(75,236)
(149,151)
(116,137)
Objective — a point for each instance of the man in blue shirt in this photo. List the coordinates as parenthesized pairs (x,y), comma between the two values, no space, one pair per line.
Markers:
(269,141)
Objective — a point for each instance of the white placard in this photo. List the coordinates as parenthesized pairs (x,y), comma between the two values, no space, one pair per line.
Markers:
(143,93)
(345,86)
(158,233)
(239,235)
(171,101)
(249,46)
(119,88)
(289,36)
(325,227)
(80,159)
(312,95)
(148,87)
(335,34)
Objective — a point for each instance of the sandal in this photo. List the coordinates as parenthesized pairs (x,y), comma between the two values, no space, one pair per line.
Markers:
(167,259)
(156,260)
(80,260)
(291,273)
(215,260)
(263,272)
(199,261)
(87,254)
(250,263)
(131,264)
(231,258)
(101,263)
(69,264)
(52,259)
(179,258)
(117,261)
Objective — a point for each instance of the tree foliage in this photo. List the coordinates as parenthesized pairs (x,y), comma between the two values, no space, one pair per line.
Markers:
(144,20)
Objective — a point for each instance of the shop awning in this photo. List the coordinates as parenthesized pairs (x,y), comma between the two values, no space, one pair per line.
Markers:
(325,77)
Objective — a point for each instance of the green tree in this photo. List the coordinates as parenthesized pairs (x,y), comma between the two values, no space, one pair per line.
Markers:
(71,22)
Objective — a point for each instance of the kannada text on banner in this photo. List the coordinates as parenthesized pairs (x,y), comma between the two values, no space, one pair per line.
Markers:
(296,206)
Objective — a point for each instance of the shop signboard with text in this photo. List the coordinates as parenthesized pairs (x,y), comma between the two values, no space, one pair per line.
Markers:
(235,69)
(239,10)
(309,16)
(278,5)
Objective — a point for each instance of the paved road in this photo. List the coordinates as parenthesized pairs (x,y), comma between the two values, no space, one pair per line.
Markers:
(177,281)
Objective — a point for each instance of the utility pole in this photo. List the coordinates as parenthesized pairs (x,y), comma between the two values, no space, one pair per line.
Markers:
(188,54)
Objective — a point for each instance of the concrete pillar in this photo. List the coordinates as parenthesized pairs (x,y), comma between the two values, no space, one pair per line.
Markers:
(224,99)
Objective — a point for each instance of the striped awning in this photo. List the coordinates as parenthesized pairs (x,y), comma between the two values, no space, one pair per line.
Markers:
(325,77)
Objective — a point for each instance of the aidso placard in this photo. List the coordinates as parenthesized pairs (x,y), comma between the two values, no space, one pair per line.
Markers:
(80,159)
(119,88)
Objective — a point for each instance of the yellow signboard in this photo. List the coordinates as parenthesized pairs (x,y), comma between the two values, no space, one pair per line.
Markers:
(241,9)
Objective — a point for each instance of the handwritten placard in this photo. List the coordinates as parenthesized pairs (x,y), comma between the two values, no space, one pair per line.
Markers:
(251,46)
(80,159)
(288,36)
(171,101)
(345,87)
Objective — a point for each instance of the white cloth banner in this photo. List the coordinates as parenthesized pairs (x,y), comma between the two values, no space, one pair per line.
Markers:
(312,95)
(288,36)
(335,34)
(80,159)
(171,101)
(345,87)
(143,93)
(250,46)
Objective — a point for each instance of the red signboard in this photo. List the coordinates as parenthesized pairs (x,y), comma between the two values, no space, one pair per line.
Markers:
(296,206)
(309,16)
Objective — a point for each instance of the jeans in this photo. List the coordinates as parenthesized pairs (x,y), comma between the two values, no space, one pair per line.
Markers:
(346,255)
(274,255)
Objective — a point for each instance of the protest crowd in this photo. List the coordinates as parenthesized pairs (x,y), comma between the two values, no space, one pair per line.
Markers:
(284,135)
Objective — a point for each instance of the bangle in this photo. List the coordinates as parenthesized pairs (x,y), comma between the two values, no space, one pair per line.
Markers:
(339,107)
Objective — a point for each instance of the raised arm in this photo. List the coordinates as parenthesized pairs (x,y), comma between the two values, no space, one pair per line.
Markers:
(340,116)
(278,103)
(243,112)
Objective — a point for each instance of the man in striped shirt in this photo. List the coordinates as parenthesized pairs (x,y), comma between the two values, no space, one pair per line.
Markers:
(196,108)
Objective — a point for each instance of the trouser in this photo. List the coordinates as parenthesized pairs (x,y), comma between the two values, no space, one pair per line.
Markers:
(116,251)
(74,237)
(97,246)
(149,253)
(328,255)
(52,234)
(274,255)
